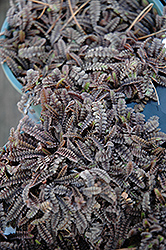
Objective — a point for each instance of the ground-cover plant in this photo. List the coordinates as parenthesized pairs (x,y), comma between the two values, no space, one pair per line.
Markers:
(91,175)
(82,37)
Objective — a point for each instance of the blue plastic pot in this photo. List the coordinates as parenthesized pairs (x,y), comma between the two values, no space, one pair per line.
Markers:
(157,5)
(151,109)
(16,84)
(12,79)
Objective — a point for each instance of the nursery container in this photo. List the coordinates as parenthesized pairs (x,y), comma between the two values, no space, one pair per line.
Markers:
(15,83)
(152,108)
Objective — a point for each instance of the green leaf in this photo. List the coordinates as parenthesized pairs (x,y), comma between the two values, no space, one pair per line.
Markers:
(76,176)
(123,119)
(86,85)
(161,238)
(37,242)
(128,116)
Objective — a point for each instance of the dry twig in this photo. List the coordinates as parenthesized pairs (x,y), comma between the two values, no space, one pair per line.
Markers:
(141,16)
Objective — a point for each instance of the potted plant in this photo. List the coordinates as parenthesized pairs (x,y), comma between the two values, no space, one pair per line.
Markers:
(91,174)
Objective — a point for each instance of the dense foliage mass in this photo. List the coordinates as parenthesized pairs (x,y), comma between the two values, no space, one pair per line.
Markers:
(91,174)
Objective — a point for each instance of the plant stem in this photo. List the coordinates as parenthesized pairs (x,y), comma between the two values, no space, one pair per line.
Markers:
(141,15)
(153,34)
(39,2)
(75,13)
(158,101)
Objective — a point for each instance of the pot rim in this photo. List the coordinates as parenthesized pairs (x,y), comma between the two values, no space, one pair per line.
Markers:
(12,79)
